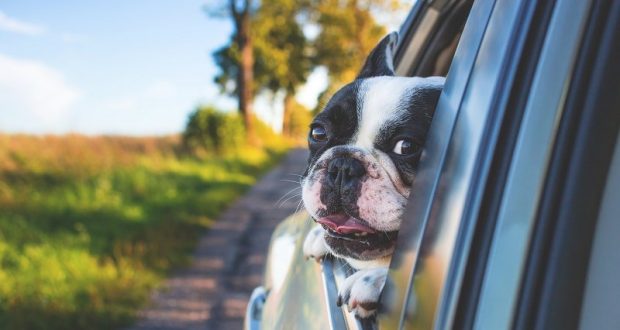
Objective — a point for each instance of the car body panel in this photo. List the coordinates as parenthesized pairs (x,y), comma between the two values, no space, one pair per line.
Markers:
(295,297)
(528,170)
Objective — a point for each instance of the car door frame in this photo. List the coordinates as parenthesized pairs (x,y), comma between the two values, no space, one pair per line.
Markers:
(455,304)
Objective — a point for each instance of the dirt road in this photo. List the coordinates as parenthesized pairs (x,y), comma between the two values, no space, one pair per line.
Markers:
(228,262)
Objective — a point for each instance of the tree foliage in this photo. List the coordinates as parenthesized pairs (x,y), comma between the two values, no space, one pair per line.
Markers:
(348,32)
(284,56)
(237,59)
(281,49)
(211,131)
(299,119)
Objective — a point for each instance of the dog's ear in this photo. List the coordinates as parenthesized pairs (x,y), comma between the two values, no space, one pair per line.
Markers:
(380,62)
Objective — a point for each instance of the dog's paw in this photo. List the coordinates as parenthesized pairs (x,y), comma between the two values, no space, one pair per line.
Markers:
(361,291)
(314,245)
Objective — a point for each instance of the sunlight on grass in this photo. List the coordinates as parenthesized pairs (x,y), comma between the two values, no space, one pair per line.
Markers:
(89,226)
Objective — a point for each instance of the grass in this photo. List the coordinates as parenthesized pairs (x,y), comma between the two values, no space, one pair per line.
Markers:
(90,225)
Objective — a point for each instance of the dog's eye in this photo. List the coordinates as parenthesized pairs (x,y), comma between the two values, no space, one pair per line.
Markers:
(318,133)
(404,147)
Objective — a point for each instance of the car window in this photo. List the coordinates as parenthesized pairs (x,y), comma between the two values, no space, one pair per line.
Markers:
(426,187)
(599,308)
(434,243)
(426,47)
(527,174)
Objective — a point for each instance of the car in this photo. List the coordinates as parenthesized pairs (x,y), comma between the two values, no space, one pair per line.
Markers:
(513,221)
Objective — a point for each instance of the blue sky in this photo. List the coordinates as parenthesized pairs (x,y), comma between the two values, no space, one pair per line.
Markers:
(132,67)
(109,67)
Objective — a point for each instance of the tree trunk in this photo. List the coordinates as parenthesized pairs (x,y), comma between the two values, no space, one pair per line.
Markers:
(289,100)
(245,77)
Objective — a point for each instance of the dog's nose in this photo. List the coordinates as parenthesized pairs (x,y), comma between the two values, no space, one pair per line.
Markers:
(344,171)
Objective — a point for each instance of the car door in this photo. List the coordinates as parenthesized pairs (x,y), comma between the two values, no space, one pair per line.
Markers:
(477,248)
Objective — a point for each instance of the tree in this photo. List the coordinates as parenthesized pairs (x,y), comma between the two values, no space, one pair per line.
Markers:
(281,61)
(237,59)
(282,51)
(269,50)
(348,32)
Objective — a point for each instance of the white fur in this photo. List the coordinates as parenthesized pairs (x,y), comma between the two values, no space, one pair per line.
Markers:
(368,264)
(314,244)
(383,196)
(364,286)
(380,100)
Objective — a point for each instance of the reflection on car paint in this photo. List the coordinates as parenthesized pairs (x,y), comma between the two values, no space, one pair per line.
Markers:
(301,286)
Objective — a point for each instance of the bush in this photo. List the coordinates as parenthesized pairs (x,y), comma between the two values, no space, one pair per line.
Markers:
(212,131)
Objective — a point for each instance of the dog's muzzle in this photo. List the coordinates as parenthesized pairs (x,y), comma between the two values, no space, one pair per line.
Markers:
(344,174)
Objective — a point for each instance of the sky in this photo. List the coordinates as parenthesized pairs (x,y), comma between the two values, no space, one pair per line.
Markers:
(134,67)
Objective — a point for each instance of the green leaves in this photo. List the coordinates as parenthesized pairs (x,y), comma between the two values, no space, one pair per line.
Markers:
(282,52)
(286,51)
(213,131)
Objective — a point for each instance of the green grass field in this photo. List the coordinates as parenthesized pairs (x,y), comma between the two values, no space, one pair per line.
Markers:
(90,225)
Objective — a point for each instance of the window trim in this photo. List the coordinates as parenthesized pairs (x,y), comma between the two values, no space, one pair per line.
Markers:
(553,290)
(524,184)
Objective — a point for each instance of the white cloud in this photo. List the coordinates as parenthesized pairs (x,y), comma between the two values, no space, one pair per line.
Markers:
(14,25)
(34,92)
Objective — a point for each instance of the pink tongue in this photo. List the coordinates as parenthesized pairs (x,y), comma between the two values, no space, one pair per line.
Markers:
(344,224)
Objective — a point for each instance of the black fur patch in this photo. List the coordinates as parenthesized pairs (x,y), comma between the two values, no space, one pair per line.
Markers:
(419,108)
(339,117)
(379,63)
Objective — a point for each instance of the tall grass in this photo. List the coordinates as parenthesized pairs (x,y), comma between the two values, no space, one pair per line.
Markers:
(89,225)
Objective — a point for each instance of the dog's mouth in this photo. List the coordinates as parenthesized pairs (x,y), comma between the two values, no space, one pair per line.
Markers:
(352,237)
(343,224)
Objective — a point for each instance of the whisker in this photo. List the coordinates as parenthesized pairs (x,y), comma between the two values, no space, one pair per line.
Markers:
(288,199)
(299,205)
(290,191)
(287,193)
(285,180)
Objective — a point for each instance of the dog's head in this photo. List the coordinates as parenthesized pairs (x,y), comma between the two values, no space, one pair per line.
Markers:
(364,149)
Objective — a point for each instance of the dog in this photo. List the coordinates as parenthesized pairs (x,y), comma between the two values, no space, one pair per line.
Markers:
(365,146)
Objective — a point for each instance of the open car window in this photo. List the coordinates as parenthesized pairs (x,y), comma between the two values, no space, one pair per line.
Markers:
(428,42)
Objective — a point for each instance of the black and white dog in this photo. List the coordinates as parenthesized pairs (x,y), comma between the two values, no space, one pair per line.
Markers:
(364,149)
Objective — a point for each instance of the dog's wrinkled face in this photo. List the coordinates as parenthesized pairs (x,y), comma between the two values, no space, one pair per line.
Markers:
(364,149)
